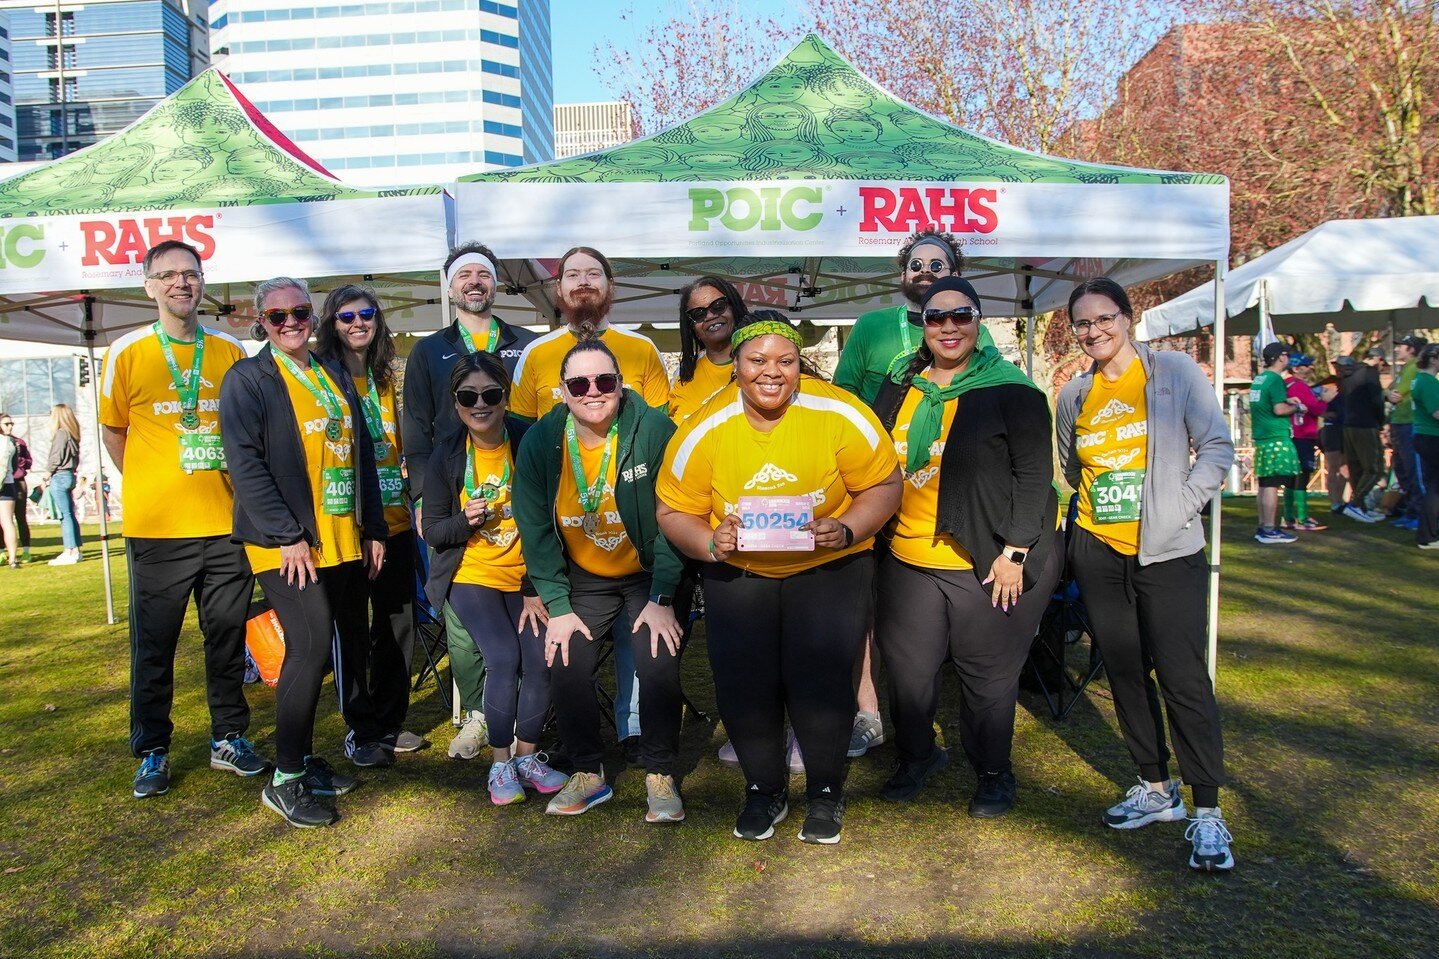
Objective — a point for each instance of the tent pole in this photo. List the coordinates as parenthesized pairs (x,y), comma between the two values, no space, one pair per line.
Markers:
(89,334)
(1216,504)
(1028,329)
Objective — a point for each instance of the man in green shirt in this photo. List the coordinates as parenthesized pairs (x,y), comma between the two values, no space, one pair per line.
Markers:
(1401,431)
(1424,400)
(1276,462)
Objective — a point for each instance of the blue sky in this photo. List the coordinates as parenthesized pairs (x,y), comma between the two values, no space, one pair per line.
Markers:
(577,25)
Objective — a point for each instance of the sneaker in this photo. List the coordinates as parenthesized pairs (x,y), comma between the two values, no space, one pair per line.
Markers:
(1336,508)
(536,774)
(505,788)
(909,778)
(1357,514)
(367,755)
(297,805)
(406,742)
(822,821)
(1272,535)
(868,732)
(1310,525)
(473,736)
(664,799)
(582,793)
(1211,839)
(1432,544)
(65,559)
(153,776)
(1376,515)
(1286,524)
(994,796)
(322,779)
(796,758)
(235,754)
(1142,806)
(1412,525)
(727,755)
(761,814)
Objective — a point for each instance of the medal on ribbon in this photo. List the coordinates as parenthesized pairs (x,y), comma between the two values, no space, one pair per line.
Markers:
(334,425)
(590,494)
(187,389)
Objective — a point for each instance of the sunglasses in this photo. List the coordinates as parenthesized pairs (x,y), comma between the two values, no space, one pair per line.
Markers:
(961,316)
(490,396)
(350,316)
(277,317)
(605,383)
(933,266)
(699,314)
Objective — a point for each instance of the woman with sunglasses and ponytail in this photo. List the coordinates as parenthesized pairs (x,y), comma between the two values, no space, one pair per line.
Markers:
(585,507)
(309,513)
(972,554)
(352,331)
(710,309)
(479,570)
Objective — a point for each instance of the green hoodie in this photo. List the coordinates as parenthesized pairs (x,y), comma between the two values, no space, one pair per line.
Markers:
(643,433)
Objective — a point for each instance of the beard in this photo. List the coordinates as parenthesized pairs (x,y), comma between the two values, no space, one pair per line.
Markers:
(485,302)
(913,290)
(586,309)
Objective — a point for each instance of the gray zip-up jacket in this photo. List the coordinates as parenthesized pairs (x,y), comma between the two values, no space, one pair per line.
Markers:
(1183,419)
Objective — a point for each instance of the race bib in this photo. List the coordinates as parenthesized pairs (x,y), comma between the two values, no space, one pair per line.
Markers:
(201,451)
(772,523)
(338,496)
(392,486)
(1115,496)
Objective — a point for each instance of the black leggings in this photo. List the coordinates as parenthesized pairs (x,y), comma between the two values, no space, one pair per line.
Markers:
(513,709)
(789,644)
(927,617)
(319,620)
(597,601)
(1426,450)
(392,633)
(22,511)
(1149,621)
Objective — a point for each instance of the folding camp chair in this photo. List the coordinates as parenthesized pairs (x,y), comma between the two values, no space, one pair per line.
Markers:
(1065,624)
(429,629)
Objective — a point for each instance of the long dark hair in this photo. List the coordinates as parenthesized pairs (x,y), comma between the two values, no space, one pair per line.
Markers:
(690,346)
(379,355)
(1103,286)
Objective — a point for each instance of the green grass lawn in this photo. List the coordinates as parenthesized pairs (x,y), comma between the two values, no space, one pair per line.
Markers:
(1328,679)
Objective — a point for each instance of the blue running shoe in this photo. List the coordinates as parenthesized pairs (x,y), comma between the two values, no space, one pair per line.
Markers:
(236,755)
(153,777)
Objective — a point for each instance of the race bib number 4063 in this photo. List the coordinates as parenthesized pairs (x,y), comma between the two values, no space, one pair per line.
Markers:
(772,523)
(201,451)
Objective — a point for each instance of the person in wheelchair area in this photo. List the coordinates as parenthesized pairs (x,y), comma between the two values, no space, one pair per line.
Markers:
(1143,439)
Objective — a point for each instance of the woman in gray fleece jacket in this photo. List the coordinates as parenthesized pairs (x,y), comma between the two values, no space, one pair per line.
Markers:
(1142,439)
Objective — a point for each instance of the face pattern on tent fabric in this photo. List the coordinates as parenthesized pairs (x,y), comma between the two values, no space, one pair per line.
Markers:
(813,116)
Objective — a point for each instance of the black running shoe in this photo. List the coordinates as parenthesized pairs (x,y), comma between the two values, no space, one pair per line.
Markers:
(297,805)
(323,780)
(153,776)
(762,812)
(994,796)
(822,821)
(909,778)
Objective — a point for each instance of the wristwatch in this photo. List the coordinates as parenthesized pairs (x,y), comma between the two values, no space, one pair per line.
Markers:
(1016,556)
(660,599)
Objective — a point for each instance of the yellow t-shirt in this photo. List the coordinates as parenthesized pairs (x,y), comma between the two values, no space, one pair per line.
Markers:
(492,555)
(1112,434)
(912,532)
(387,458)
(137,394)
(338,535)
(606,550)
(826,444)
(537,375)
(709,379)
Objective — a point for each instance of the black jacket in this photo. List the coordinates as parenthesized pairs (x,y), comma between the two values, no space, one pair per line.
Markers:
(447,531)
(274,498)
(996,475)
(1363,399)
(428,411)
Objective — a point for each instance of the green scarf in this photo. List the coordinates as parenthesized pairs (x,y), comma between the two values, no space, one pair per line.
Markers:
(986,368)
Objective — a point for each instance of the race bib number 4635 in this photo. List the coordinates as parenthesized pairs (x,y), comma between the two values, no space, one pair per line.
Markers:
(772,523)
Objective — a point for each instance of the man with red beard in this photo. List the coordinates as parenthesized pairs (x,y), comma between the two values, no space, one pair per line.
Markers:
(584,296)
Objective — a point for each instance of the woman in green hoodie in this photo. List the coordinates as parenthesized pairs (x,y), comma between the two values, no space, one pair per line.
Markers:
(584,502)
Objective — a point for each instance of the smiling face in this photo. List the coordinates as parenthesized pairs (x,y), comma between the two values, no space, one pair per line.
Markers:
(713,331)
(482,421)
(292,335)
(177,169)
(357,334)
(933,264)
(593,408)
(1100,345)
(712,130)
(782,89)
(844,95)
(472,289)
(584,290)
(119,161)
(953,342)
(855,131)
(180,298)
(780,118)
(767,370)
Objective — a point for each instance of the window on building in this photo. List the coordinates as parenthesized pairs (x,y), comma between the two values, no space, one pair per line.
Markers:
(30,387)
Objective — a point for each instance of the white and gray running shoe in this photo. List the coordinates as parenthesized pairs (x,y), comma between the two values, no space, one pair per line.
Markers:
(868,731)
(1142,806)
(1210,836)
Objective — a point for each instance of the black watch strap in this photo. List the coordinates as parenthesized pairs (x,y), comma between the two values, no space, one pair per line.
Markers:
(660,599)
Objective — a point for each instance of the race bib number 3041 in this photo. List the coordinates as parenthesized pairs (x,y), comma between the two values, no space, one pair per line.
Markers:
(1115,496)
(772,523)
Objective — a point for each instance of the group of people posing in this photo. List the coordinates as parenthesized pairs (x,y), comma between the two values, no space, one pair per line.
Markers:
(569,495)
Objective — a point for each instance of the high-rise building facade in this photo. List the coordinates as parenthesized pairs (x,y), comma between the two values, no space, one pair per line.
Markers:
(586,127)
(7,94)
(401,91)
(85,70)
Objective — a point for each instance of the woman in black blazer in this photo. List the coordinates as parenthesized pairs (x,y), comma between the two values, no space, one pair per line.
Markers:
(972,555)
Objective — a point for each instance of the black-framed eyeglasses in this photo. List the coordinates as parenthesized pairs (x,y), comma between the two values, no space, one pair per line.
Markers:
(959,316)
(917,265)
(168,277)
(605,383)
(1103,323)
(490,396)
(698,314)
(350,316)
(277,317)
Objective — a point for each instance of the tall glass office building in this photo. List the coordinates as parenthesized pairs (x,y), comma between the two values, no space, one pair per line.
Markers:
(83,71)
(7,94)
(404,91)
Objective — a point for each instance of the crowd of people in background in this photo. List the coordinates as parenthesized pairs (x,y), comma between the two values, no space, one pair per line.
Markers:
(556,496)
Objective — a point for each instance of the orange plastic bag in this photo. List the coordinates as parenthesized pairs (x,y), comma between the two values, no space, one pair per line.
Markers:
(265,638)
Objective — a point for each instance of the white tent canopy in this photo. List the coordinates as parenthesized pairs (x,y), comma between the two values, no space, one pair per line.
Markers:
(1355,274)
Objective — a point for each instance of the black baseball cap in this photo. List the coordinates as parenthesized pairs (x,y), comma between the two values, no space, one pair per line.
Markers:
(1345,359)
(1274,351)
(1415,343)
(1374,353)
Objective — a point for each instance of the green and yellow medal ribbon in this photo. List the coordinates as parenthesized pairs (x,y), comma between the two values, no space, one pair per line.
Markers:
(189,391)
(590,493)
(488,491)
(491,342)
(326,399)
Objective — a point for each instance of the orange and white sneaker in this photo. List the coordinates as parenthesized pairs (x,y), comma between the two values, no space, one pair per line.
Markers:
(583,792)
(664,799)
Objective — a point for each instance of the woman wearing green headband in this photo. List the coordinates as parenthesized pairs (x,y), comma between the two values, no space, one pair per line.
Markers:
(972,555)
(779,483)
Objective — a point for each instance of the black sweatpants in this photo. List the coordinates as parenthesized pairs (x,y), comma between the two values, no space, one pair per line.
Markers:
(392,634)
(323,621)
(597,601)
(164,573)
(1426,450)
(22,511)
(927,617)
(517,681)
(790,644)
(1149,622)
